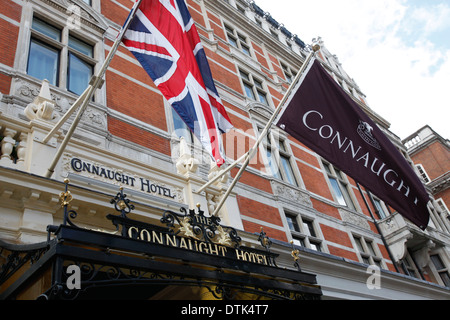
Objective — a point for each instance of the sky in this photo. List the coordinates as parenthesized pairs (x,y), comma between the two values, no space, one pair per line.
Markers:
(397,51)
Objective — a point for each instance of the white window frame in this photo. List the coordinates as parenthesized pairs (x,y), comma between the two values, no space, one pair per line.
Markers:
(423,173)
(272,143)
(302,236)
(67,22)
(255,85)
(368,251)
(239,40)
(342,183)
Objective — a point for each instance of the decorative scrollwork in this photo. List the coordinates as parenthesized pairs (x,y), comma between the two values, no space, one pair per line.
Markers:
(66,198)
(200,227)
(264,240)
(296,255)
(266,243)
(122,204)
(14,257)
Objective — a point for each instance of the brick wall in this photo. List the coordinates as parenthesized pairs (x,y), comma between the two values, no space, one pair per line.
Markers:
(8,40)
(435,158)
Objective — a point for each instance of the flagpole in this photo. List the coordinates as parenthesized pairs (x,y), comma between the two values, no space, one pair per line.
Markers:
(376,225)
(249,155)
(225,171)
(83,101)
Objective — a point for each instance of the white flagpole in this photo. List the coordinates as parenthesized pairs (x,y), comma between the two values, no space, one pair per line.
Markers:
(84,99)
(250,154)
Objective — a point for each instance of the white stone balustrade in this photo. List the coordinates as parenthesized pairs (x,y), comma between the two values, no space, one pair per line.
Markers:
(13,146)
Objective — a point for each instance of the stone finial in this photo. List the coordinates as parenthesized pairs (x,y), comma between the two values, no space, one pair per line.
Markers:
(186,163)
(43,106)
(215,171)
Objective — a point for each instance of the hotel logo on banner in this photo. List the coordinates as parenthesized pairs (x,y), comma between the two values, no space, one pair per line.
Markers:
(365,132)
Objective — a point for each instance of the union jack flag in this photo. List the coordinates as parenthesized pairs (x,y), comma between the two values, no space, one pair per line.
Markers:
(164,39)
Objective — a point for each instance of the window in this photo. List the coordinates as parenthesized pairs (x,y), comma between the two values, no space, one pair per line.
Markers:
(379,208)
(441,269)
(45,61)
(442,206)
(279,159)
(79,71)
(339,185)
(303,232)
(367,251)
(409,266)
(442,215)
(288,73)
(253,88)
(237,40)
(423,173)
(292,222)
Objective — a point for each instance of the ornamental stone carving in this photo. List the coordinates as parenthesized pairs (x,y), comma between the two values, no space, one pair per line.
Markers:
(43,106)
(186,164)
(291,194)
(355,219)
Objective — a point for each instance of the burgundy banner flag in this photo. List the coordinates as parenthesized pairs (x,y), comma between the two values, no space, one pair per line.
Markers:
(327,120)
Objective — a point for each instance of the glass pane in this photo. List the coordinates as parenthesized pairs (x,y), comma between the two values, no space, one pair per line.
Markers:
(445,278)
(245,76)
(339,173)
(258,83)
(43,62)
(249,91)
(81,46)
(379,207)
(327,168)
(437,262)
(272,164)
(262,98)
(359,244)
(232,41)
(348,199)
(308,226)
(79,74)
(337,191)
(292,222)
(298,242)
(370,246)
(316,247)
(46,29)
(246,50)
(289,173)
